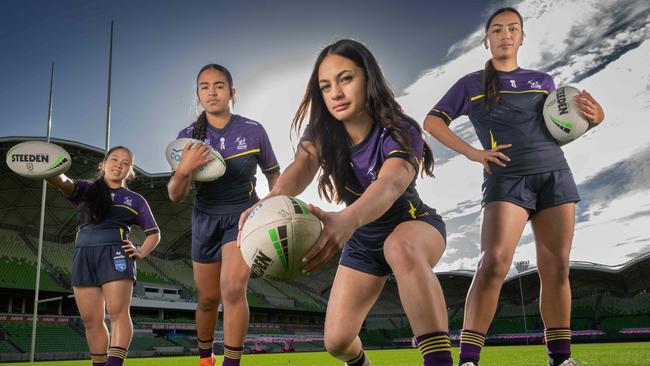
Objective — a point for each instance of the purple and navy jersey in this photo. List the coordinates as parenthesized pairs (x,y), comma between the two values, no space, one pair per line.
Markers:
(128,208)
(367,159)
(244,145)
(516,119)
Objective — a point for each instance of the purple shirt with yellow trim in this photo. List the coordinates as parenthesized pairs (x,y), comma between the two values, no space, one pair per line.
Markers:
(244,145)
(516,119)
(128,208)
(367,159)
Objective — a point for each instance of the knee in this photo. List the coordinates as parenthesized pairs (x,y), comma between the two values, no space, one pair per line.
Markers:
(92,323)
(337,344)
(493,266)
(208,301)
(116,315)
(401,255)
(233,288)
(555,271)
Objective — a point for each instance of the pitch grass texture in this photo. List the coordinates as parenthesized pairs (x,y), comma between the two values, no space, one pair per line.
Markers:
(609,354)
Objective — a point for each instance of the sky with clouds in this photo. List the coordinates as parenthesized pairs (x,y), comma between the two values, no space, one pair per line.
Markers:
(422,46)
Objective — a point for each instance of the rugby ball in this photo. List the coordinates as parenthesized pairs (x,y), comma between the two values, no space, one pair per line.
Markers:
(38,159)
(276,236)
(206,172)
(562,115)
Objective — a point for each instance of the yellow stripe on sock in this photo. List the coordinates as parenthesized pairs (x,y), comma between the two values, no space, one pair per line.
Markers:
(434,339)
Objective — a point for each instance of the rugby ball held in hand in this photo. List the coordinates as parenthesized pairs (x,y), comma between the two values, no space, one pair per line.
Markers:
(38,159)
(206,172)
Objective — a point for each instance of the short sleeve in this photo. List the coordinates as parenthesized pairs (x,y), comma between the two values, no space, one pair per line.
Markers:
(392,149)
(145,218)
(454,103)
(81,188)
(549,84)
(267,160)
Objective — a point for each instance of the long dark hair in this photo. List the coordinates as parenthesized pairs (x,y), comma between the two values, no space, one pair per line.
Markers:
(490,76)
(329,135)
(201,123)
(97,203)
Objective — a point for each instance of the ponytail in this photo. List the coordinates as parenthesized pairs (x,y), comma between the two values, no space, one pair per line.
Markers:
(97,202)
(491,84)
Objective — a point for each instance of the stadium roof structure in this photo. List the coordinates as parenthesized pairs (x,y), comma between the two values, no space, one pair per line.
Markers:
(20,200)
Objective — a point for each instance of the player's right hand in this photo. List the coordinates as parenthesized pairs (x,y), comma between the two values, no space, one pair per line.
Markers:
(486,156)
(194,156)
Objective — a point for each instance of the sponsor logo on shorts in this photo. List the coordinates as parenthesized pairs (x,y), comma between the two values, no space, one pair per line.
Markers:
(261,263)
(120,261)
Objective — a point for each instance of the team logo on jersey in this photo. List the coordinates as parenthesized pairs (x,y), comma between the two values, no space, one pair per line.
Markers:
(120,262)
(222,143)
(241,143)
(112,196)
(371,173)
(534,84)
(513,83)
(207,141)
(128,201)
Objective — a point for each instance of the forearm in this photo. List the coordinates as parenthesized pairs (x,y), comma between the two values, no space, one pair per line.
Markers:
(439,129)
(299,174)
(149,244)
(179,187)
(381,194)
(272,179)
(62,183)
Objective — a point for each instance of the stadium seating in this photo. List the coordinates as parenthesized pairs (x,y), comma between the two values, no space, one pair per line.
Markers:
(49,337)
(148,342)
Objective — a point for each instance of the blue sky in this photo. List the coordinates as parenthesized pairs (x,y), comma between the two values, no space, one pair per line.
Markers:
(160,45)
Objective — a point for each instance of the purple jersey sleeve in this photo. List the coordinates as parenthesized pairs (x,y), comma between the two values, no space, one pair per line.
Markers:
(80,190)
(267,161)
(393,149)
(145,218)
(548,83)
(453,104)
(186,132)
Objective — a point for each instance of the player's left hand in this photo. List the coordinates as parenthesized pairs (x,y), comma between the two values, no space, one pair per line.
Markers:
(132,250)
(337,229)
(590,108)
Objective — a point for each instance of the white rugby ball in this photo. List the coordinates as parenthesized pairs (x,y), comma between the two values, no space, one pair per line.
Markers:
(206,172)
(562,115)
(38,159)
(275,237)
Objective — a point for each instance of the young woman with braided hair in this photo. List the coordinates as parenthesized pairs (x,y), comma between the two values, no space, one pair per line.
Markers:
(220,273)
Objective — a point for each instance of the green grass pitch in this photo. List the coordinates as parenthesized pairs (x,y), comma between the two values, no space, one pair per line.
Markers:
(610,354)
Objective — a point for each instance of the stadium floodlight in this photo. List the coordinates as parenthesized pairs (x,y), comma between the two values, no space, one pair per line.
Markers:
(521,267)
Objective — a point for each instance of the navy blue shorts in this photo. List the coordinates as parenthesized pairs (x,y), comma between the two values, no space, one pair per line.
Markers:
(95,266)
(210,233)
(364,251)
(534,192)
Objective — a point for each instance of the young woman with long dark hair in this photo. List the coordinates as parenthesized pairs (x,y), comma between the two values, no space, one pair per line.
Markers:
(103,266)
(369,153)
(526,178)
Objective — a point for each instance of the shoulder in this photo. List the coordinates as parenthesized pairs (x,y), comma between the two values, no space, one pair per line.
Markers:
(249,126)
(186,132)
